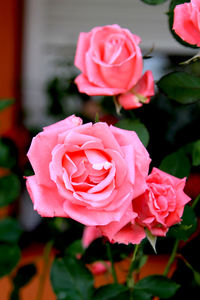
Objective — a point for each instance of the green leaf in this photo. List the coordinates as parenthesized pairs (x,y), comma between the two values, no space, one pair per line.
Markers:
(9,257)
(141,295)
(171,21)
(137,126)
(196,153)
(7,159)
(9,189)
(24,275)
(10,231)
(75,248)
(157,285)
(176,164)
(111,292)
(5,103)
(187,227)
(71,280)
(181,87)
(153,2)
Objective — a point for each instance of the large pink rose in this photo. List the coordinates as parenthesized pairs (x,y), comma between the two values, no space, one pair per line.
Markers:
(89,172)
(187,22)
(162,205)
(110,61)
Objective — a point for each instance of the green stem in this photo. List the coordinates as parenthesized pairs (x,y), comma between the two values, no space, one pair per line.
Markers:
(172,257)
(97,117)
(196,200)
(130,279)
(112,262)
(46,256)
(129,276)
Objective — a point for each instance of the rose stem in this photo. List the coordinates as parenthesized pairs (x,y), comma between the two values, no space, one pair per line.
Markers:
(172,257)
(196,200)
(97,117)
(130,281)
(46,256)
(112,262)
(197,278)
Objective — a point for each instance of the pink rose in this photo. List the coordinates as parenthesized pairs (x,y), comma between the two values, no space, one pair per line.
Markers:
(187,22)
(110,61)
(89,172)
(162,205)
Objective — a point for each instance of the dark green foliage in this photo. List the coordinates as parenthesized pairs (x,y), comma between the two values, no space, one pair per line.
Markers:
(8,151)
(9,257)
(24,275)
(111,292)
(10,230)
(5,103)
(187,227)
(181,87)
(153,2)
(9,189)
(155,285)
(71,280)
(176,164)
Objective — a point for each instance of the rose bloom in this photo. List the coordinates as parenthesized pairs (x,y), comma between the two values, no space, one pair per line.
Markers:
(162,204)
(157,209)
(111,64)
(89,172)
(187,22)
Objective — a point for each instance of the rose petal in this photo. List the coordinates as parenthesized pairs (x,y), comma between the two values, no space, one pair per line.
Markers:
(42,145)
(46,200)
(83,45)
(90,217)
(104,183)
(110,230)
(89,88)
(131,233)
(142,159)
